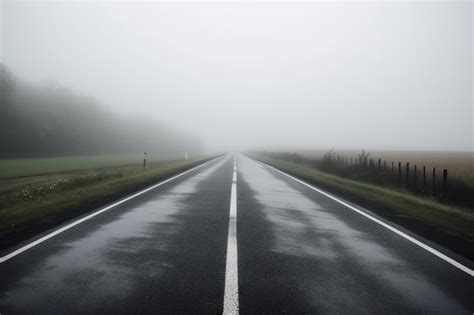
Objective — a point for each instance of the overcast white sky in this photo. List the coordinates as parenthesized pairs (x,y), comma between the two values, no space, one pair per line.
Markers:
(391,75)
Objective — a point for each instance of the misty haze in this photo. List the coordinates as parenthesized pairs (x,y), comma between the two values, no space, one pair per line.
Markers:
(236,157)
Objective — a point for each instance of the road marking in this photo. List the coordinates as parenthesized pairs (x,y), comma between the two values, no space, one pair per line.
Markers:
(391,228)
(231,290)
(90,216)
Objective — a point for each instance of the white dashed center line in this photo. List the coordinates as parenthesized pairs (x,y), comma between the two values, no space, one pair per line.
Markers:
(231,290)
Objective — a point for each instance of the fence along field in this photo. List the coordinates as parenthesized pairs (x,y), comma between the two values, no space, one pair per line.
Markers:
(444,176)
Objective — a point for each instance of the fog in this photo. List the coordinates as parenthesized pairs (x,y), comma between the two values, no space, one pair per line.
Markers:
(352,75)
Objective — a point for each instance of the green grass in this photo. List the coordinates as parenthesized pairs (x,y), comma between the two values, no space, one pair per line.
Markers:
(37,166)
(29,205)
(442,218)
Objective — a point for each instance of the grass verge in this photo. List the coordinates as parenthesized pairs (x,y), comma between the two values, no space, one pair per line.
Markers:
(449,226)
(40,203)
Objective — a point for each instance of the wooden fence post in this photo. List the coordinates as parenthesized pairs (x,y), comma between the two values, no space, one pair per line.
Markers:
(384,165)
(407,173)
(445,183)
(380,164)
(400,173)
(424,179)
(144,160)
(433,177)
(416,179)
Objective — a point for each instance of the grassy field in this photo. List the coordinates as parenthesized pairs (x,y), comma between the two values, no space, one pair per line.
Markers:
(32,203)
(27,167)
(447,225)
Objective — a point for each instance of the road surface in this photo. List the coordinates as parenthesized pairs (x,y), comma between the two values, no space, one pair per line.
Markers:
(230,239)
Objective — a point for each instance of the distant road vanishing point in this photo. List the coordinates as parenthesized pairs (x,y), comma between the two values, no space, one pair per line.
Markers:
(232,236)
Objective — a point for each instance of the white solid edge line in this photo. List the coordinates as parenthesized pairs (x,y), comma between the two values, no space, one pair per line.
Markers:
(64,228)
(391,228)
(231,289)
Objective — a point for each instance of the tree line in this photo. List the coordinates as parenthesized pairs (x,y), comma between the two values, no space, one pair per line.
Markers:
(39,121)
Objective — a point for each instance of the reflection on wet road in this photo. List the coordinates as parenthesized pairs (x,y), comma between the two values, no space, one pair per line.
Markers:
(109,258)
(165,251)
(333,258)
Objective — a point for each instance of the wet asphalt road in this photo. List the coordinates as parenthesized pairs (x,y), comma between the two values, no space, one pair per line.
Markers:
(165,252)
